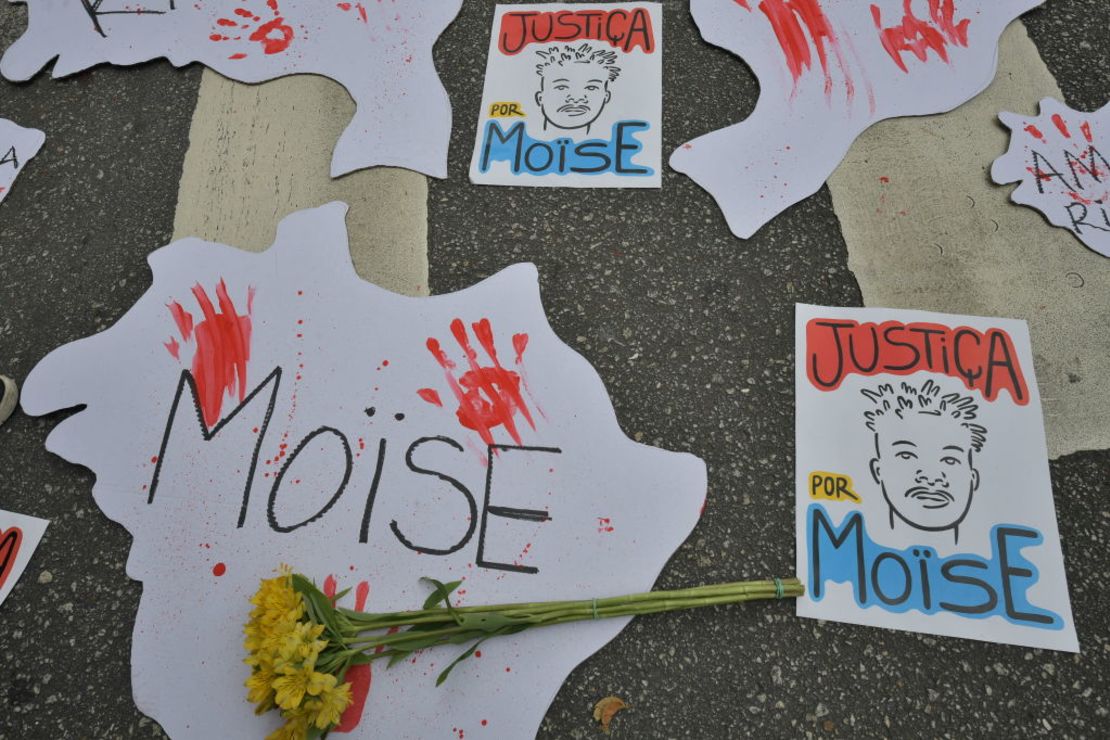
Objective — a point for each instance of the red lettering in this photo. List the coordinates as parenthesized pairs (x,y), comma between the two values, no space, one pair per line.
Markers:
(986,361)
(622,29)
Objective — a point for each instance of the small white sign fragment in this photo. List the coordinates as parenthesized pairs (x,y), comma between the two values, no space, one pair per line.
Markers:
(17,146)
(1061,162)
(19,536)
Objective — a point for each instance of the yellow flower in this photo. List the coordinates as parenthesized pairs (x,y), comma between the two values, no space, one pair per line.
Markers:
(260,687)
(295,728)
(320,682)
(301,644)
(331,705)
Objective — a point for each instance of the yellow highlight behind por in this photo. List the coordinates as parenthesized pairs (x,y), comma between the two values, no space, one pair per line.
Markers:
(506,110)
(832,487)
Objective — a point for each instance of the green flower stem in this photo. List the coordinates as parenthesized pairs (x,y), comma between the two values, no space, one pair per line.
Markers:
(519,616)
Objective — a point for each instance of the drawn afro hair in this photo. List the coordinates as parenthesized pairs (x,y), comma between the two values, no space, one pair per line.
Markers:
(925,400)
(564,54)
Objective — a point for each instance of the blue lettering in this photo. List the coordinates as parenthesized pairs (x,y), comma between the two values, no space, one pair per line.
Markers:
(563,156)
(915,578)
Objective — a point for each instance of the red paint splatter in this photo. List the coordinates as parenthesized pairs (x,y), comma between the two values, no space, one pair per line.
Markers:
(477,653)
(431,395)
(488,397)
(884,180)
(173,348)
(604,525)
(1086,129)
(797,25)
(744,4)
(1061,125)
(485,722)
(219,569)
(223,341)
(919,36)
(153,459)
(1034,132)
(274,36)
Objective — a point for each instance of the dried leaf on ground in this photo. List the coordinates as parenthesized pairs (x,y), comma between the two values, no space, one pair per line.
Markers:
(605,709)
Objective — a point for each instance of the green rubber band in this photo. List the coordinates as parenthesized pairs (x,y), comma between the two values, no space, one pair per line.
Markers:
(779,593)
(595,610)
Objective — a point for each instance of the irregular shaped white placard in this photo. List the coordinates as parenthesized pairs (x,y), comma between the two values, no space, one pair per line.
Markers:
(924,500)
(381,52)
(573,97)
(19,536)
(828,70)
(253,409)
(17,146)
(1060,159)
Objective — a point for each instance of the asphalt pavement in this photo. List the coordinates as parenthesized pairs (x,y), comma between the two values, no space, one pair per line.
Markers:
(691,331)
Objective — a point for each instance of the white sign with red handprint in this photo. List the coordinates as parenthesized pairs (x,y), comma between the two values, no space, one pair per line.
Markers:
(254,409)
(17,146)
(381,52)
(1060,160)
(828,70)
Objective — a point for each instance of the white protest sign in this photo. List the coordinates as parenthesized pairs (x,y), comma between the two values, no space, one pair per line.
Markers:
(381,52)
(17,146)
(1060,159)
(255,409)
(923,494)
(828,70)
(19,536)
(573,97)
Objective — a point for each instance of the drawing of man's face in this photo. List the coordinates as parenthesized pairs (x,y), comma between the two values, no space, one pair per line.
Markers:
(925,465)
(573,94)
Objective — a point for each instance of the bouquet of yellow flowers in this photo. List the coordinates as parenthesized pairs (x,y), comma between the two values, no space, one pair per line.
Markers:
(300,644)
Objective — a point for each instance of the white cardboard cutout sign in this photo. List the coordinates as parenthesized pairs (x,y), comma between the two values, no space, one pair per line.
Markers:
(17,146)
(381,52)
(828,70)
(573,97)
(924,501)
(19,536)
(254,409)
(1061,158)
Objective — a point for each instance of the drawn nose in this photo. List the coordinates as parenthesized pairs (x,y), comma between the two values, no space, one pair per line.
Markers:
(925,479)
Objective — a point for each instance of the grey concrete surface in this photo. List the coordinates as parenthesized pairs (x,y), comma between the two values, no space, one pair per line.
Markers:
(691,331)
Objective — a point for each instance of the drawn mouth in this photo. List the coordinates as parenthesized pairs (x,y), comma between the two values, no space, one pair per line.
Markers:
(930,498)
(574,110)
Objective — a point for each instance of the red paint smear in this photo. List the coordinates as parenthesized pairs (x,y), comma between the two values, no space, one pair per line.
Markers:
(520,343)
(744,4)
(1061,125)
(343,6)
(223,341)
(884,180)
(488,397)
(10,541)
(362,591)
(1086,129)
(183,319)
(431,396)
(359,676)
(1034,132)
(239,55)
(225,22)
(219,569)
(273,45)
(173,348)
(329,587)
(362,12)
(920,36)
(796,23)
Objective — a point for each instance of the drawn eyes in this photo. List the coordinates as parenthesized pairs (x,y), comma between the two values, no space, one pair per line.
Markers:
(592,88)
(562,87)
(905,455)
(949,460)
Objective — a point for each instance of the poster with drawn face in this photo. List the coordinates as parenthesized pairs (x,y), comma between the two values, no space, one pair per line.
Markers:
(923,494)
(255,409)
(573,97)
(17,145)
(19,536)
(1061,162)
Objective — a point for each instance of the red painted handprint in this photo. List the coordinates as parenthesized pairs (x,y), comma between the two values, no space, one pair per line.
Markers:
(488,396)
(920,36)
(274,35)
(223,347)
(359,676)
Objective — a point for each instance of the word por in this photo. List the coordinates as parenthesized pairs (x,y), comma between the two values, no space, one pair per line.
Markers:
(506,110)
(983,360)
(623,29)
(340,447)
(832,487)
(916,578)
(564,156)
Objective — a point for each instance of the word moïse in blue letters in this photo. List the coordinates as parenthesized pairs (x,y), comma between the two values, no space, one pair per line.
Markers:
(916,578)
(564,156)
